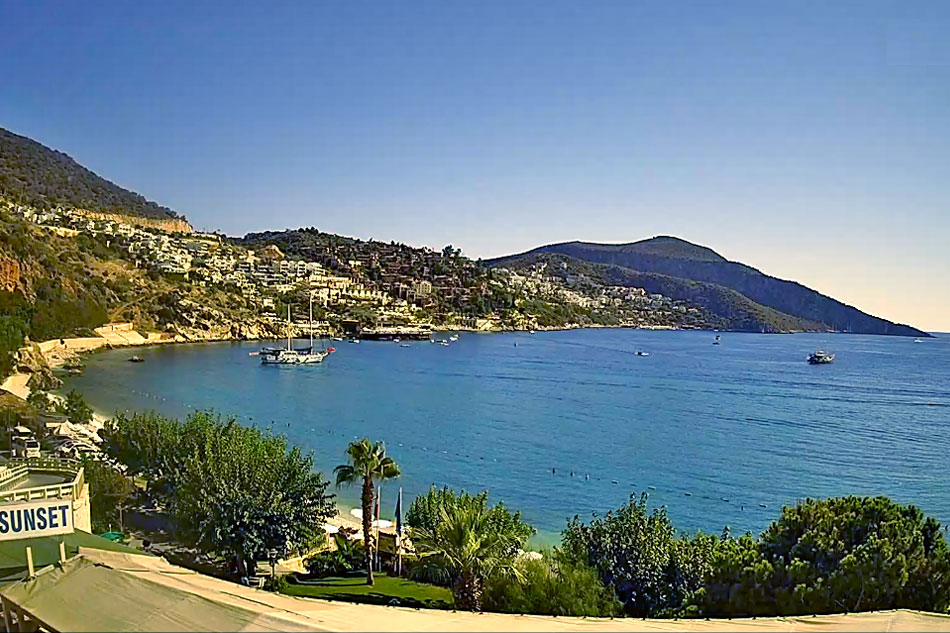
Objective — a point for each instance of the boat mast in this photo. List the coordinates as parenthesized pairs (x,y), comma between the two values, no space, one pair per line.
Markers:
(288,328)
(311,322)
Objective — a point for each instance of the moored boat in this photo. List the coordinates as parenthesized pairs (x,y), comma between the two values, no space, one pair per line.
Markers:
(291,356)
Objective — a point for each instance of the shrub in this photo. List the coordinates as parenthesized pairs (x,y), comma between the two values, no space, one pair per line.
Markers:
(74,407)
(108,491)
(639,555)
(277,584)
(347,557)
(551,586)
(833,555)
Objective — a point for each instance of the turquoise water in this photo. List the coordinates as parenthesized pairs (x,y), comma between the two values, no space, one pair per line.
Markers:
(749,420)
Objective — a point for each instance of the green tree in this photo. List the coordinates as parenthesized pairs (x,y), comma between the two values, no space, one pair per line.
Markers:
(75,408)
(638,554)
(367,463)
(551,586)
(12,330)
(832,555)
(230,489)
(464,541)
(39,400)
(425,512)
(109,490)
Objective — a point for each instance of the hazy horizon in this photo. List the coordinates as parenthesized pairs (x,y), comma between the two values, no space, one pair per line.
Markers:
(807,140)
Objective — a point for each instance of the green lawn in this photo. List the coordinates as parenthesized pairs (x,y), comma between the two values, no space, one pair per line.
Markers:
(355,589)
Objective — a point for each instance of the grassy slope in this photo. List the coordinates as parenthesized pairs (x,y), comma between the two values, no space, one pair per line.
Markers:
(355,589)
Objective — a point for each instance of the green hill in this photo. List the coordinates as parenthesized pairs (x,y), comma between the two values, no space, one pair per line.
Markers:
(673,257)
(727,309)
(34,175)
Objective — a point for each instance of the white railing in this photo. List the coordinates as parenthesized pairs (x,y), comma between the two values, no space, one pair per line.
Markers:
(69,467)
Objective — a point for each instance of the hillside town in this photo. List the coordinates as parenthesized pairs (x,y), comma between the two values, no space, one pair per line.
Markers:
(371,284)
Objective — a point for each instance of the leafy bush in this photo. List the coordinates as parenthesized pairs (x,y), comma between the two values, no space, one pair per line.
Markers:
(230,489)
(425,513)
(39,400)
(639,555)
(551,586)
(108,490)
(471,549)
(74,407)
(833,555)
(277,584)
(347,557)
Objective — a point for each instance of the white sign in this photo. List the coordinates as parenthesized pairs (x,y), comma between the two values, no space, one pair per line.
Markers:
(36,518)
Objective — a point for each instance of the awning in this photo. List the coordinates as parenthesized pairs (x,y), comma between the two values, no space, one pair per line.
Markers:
(84,596)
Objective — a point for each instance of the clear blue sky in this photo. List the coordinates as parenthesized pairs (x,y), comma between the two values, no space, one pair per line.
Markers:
(809,139)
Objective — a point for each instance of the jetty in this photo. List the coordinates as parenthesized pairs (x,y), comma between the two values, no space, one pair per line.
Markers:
(390,333)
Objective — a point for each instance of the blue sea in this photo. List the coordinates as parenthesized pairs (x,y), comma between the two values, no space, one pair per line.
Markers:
(563,423)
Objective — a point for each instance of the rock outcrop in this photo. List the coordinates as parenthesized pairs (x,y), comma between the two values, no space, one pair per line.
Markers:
(9,274)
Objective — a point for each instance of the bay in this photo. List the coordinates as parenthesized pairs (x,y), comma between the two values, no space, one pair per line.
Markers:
(720,434)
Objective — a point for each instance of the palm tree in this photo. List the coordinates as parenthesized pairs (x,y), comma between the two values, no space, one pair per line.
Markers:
(367,462)
(465,542)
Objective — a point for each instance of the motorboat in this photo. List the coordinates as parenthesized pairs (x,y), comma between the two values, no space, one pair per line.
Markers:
(820,357)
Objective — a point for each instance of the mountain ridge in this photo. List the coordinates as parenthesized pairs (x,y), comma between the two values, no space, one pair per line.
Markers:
(664,255)
(44,178)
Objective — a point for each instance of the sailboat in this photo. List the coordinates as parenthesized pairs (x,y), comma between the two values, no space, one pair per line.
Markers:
(291,356)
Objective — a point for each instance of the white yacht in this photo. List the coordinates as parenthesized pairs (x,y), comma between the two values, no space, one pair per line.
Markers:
(291,356)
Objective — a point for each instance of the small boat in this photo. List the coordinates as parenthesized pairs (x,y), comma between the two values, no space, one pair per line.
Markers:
(405,345)
(530,331)
(337,338)
(355,340)
(642,353)
(136,359)
(820,357)
(444,343)
(454,337)
(917,340)
(396,340)
(74,371)
(716,342)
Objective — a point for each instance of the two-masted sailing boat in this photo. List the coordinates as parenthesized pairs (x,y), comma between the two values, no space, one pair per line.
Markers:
(291,356)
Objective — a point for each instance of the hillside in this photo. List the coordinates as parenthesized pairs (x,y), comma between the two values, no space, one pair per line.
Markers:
(36,176)
(61,285)
(677,258)
(723,308)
